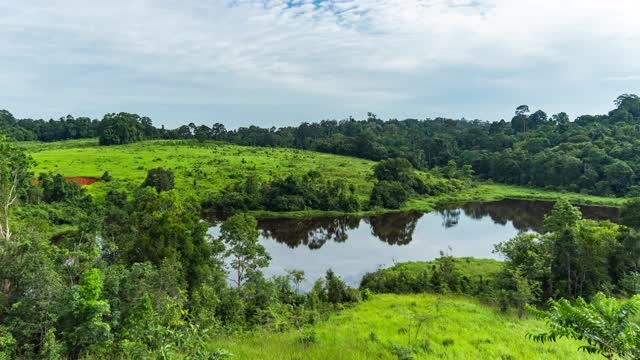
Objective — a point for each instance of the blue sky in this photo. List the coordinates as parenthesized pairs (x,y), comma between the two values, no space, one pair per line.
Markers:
(281,62)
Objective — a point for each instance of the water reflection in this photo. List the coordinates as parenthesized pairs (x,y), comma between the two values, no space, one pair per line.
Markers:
(395,228)
(311,232)
(352,246)
(399,228)
(525,215)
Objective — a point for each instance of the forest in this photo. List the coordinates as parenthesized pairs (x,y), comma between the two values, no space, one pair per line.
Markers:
(591,154)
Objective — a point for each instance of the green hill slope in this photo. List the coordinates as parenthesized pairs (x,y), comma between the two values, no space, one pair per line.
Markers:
(197,167)
(406,327)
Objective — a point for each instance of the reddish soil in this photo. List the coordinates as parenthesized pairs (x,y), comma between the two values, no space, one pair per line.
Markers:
(83,180)
(80,180)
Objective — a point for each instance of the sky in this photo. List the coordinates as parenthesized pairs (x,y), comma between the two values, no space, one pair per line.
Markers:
(283,62)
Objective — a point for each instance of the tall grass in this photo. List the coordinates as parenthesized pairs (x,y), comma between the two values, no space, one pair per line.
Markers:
(407,327)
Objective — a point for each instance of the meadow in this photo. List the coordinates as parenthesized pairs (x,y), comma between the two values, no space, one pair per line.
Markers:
(200,168)
(421,326)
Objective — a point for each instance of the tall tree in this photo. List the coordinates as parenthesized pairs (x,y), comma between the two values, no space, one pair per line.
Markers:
(14,178)
(240,234)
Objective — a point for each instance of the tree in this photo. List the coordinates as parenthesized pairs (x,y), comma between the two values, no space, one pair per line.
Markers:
(14,179)
(619,176)
(202,133)
(622,99)
(86,325)
(240,234)
(297,276)
(563,216)
(520,120)
(336,289)
(388,194)
(396,169)
(122,128)
(159,226)
(516,290)
(522,109)
(527,255)
(630,214)
(160,179)
(608,327)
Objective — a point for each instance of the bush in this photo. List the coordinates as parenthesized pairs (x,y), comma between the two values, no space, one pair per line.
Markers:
(389,194)
(292,193)
(160,179)
(309,337)
(106,177)
(475,277)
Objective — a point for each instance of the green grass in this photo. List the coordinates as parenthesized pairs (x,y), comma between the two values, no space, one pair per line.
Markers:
(453,328)
(468,266)
(493,192)
(222,164)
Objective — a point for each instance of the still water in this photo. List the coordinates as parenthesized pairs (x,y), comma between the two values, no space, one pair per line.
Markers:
(353,246)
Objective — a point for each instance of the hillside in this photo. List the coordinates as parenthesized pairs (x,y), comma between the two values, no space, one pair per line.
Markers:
(197,167)
(211,166)
(406,327)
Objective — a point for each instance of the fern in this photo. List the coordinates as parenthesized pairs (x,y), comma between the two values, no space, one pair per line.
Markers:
(608,327)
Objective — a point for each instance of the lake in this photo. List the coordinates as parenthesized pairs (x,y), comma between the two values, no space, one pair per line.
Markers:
(353,246)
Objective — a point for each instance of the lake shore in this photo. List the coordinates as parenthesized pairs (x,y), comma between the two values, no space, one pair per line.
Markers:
(482,192)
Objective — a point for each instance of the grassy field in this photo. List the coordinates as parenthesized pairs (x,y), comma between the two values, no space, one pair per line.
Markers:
(220,164)
(211,166)
(407,327)
(493,192)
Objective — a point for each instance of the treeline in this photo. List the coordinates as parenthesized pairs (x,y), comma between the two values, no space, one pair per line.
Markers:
(112,129)
(134,274)
(593,154)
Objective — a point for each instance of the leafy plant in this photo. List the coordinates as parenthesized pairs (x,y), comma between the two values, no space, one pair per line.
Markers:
(608,327)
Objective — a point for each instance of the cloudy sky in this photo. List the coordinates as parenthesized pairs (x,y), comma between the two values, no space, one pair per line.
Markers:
(278,62)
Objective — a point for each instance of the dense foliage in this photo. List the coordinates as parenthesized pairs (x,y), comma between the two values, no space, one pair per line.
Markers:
(593,154)
(444,275)
(135,275)
(291,193)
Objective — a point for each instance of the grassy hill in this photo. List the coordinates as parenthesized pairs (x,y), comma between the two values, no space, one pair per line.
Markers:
(211,165)
(406,327)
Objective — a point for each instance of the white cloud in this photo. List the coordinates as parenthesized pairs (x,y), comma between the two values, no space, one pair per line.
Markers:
(363,52)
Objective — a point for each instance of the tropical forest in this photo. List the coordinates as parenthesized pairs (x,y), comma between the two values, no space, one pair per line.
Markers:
(119,239)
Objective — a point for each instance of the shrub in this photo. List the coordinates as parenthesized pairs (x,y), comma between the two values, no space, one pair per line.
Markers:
(389,194)
(106,177)
(160,179)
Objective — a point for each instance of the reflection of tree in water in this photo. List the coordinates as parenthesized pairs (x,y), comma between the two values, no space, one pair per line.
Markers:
(524,214)
(395,228)
(450,217)
(312,232)
(398,228)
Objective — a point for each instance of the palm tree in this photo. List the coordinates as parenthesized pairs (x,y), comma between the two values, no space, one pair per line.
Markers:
(608,327)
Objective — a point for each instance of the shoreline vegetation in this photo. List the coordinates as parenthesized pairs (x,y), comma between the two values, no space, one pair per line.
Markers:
(213,165)
(481,192)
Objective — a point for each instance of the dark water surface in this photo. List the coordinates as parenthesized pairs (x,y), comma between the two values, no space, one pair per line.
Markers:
(353,246)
